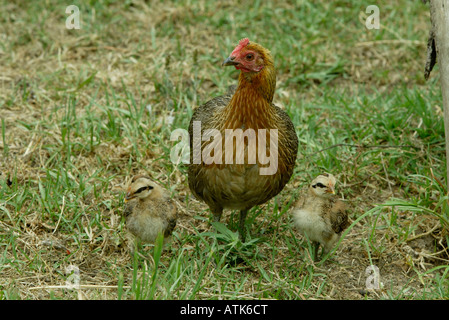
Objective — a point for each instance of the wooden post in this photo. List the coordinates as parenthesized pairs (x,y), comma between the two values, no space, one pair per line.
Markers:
(439,15)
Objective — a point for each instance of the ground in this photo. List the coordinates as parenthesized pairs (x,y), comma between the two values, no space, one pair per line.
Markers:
(83,110)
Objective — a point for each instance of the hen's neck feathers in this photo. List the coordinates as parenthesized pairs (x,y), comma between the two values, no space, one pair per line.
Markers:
(251,104)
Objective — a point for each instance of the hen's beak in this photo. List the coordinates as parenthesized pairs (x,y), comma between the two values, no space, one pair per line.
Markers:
(330,190)
(230,62)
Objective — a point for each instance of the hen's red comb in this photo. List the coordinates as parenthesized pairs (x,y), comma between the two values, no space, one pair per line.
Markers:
(242,43)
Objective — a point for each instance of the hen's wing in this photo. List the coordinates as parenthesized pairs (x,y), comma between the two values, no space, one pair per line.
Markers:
(205,114)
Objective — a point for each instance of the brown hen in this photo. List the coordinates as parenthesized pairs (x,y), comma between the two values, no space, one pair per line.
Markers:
(223,170)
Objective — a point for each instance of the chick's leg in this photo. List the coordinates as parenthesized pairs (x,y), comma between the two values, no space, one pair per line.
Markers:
(327,247)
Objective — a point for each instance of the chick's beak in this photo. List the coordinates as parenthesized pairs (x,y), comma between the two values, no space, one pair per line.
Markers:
(330,190)
(128,197)
(230,61)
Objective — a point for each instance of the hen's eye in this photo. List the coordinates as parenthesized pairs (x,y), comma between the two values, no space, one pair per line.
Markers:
(249,56)
(319,185)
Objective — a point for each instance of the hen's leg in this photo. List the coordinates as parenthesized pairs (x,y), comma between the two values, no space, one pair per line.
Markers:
(242,230)
(216,213)
(316,248)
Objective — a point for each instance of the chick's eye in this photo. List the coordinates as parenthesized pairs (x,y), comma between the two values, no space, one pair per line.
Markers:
(249,56)
(319,185)
(144,188)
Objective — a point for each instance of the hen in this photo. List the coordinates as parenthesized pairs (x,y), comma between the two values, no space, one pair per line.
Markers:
(227,175)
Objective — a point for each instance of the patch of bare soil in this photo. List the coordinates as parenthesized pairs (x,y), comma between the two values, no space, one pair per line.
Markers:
(392,269)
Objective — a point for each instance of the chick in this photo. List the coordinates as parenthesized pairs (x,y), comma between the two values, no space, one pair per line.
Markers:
(320,215)
(149,210)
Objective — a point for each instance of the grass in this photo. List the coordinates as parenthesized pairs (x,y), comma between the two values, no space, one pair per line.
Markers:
(83,110)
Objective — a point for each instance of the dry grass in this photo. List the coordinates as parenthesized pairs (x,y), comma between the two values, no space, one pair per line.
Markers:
(76,124)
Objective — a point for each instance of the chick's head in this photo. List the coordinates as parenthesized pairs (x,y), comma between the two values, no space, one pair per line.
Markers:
(323,185)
